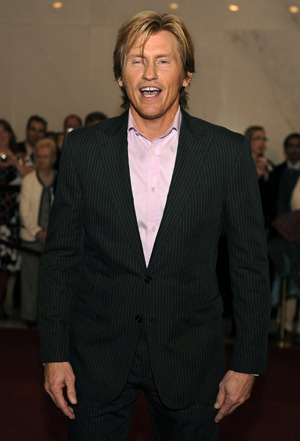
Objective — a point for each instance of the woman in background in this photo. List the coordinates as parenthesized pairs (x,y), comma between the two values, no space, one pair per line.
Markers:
(37,195)
(10,261)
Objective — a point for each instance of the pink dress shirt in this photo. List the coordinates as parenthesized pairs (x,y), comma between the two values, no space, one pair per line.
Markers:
(151,165)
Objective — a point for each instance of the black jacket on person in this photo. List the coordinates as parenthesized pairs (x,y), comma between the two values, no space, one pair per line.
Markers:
(96,292)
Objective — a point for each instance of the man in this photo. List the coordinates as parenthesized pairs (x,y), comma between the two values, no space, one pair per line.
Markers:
(285,256)
(35,130)
(72,122)
(129,295)
(94,118)
(291,147)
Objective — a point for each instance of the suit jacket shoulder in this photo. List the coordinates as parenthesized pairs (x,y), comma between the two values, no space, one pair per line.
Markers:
(79,141)
(198,127)
(109,126)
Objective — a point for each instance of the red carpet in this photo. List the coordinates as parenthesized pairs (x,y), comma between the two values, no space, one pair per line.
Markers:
(27,414)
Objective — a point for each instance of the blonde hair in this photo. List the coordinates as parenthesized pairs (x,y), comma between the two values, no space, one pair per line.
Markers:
(144,25)
(46,142)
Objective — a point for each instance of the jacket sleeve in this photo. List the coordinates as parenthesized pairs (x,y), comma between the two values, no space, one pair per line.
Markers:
(60,263)
(28,205)
(249,274)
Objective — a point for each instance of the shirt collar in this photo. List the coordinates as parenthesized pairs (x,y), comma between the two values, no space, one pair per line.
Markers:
(296,165)
(174,126)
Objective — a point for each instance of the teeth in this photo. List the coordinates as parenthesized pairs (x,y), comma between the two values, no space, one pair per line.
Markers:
(150,89)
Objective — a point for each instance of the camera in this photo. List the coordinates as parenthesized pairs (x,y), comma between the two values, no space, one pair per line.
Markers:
(3,157)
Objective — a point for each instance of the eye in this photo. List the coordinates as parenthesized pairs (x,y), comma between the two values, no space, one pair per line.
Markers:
(137,61)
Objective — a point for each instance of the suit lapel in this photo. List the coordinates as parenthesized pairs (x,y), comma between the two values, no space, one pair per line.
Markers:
(114,151)
(192,148)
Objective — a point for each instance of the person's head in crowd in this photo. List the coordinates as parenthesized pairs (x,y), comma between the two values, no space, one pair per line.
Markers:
(72,122)
(45,154)
(51,135)
(60,139)
(35,129)
(292,147)
(94,118)
(258,139)
(7,136)
(137,32)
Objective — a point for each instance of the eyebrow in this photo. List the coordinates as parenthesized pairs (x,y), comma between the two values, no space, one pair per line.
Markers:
(143,56)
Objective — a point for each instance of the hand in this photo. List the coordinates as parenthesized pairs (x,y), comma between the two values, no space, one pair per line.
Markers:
(9,155)
(42,237)
(57,377)
(11,159)
(261,164)
(234,390)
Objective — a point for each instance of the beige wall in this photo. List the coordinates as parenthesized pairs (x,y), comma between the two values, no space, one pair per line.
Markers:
(54,62)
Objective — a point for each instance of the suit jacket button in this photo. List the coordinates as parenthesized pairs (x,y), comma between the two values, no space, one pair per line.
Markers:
(148,279)
(138,318)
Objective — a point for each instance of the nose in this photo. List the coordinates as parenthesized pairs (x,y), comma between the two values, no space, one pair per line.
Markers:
(150,71)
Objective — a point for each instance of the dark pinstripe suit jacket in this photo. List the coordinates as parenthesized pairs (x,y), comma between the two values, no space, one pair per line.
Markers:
(94,282)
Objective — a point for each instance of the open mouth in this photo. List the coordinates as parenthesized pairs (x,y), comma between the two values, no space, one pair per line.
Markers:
(150,92)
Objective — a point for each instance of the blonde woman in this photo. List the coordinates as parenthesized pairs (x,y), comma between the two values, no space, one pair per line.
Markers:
(37,193)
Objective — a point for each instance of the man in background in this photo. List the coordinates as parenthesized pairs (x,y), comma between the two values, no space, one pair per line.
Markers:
(36,129)
(291,146)
(72,122)
(94,118)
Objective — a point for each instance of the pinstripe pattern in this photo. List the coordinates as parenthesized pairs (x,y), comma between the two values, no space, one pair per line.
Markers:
(99,421)
(92,282)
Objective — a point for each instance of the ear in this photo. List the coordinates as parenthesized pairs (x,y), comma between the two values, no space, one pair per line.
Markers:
(188,78)
(120,82)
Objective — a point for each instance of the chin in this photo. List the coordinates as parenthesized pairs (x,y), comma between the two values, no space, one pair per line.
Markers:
(149,113)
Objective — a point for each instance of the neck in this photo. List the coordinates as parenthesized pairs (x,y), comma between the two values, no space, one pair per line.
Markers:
(46,173)
(153,128)
(293,161)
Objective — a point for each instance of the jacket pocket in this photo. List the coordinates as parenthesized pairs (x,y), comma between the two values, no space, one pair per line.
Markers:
(207,312)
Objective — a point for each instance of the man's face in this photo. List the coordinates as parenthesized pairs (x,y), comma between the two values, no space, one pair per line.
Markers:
(35,132)
(72,123)
(258,143)
(153,79)
(292,150)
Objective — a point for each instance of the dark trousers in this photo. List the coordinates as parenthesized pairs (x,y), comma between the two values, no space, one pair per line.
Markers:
(99,421)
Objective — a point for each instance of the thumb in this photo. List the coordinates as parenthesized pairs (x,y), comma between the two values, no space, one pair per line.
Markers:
(71,393)
(220,398)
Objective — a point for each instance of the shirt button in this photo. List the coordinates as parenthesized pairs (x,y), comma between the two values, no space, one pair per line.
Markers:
(138,318)
(154,229)
(153,152)
(153,189)
(148,279)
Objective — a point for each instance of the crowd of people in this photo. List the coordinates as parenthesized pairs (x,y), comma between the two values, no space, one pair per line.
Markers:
(28,172)
(280,195)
